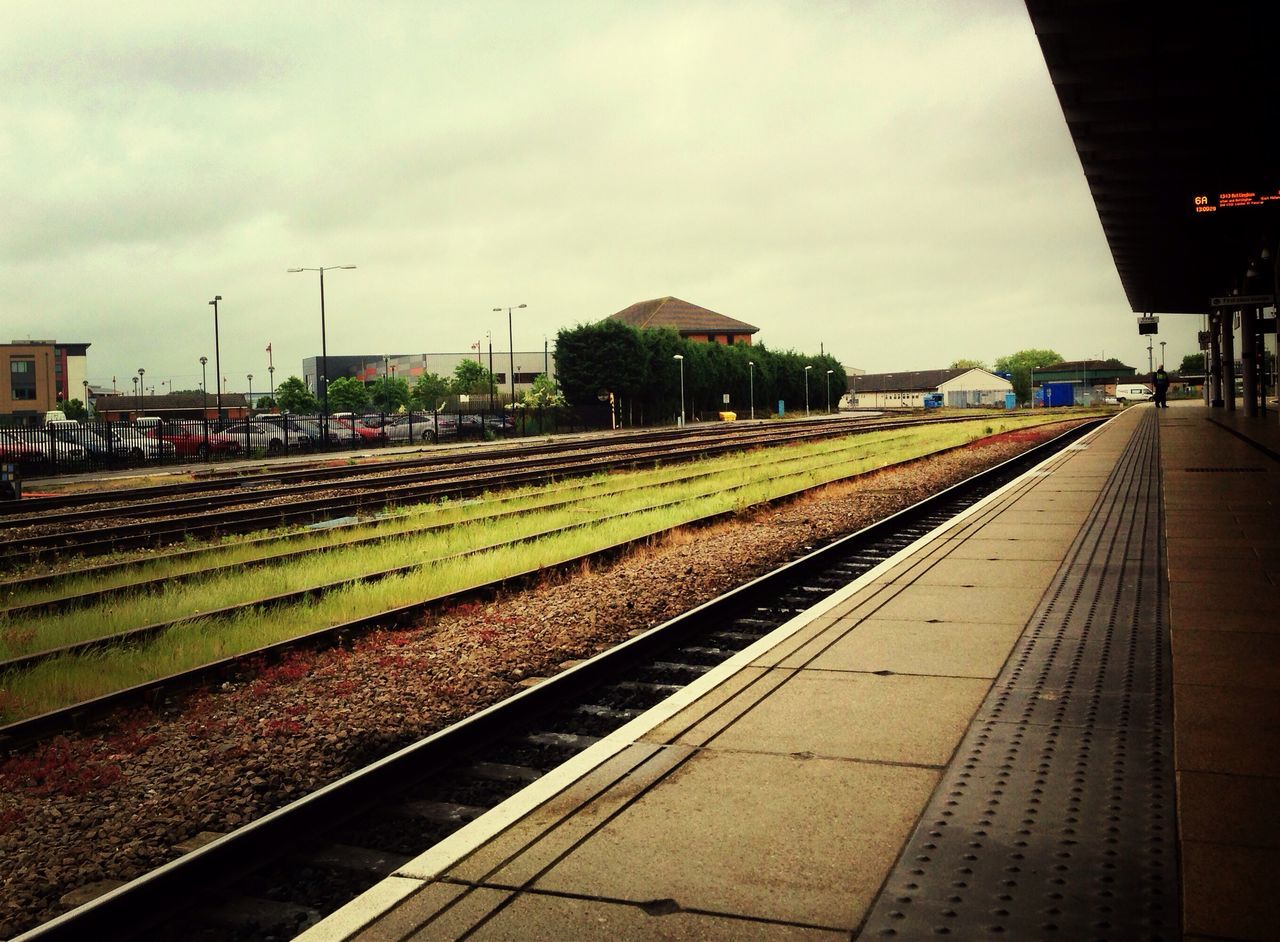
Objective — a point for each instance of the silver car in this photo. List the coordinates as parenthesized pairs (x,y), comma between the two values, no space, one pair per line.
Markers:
(140,446)
(421,428)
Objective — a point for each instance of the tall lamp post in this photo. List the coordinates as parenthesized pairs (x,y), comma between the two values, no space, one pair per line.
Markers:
(137,406)
(141,389)
(217,353)
(511,349)
(829,372)
(806,389)
(204,390)
(751,385)
(680,357)
(489,334)
(250,409)
(1162,343)
(322,378)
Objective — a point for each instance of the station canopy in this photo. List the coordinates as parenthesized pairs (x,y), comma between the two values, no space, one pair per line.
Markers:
(1173,110)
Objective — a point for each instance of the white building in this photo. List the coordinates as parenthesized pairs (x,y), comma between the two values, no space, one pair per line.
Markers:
(959,388)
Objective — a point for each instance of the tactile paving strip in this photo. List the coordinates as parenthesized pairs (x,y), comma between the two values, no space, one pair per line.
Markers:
(1057,817)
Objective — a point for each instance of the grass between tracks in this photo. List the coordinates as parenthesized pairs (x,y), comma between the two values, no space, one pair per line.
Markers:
(492,548)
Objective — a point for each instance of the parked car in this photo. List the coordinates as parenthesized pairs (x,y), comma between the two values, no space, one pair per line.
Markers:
(473,424)
(22,450)
(140,446)
(98,448)
(349,427)
(1133,392)
(315,430)
(259,434)
(422,427)
(299,431)
(35,447)
(193,438)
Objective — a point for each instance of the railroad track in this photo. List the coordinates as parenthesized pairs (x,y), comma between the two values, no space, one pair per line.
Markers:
(85,503)
(319,635)
(199,516)
(157,519)
(286,870)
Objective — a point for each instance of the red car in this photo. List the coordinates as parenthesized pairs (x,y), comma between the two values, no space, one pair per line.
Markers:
(192,438)
(13,447)
(367,435)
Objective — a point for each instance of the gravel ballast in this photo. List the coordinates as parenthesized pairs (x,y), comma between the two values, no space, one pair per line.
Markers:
(84,811)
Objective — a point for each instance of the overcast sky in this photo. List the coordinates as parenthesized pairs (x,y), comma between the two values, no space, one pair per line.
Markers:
(893,180)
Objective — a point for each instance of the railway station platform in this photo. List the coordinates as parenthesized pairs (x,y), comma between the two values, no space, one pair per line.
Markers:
(1055,717)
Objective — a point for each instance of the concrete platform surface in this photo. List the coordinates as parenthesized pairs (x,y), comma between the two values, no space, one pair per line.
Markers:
(772,798)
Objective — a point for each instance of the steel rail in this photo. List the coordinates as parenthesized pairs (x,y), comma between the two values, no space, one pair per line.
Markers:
(83,599)
(247,519)
(172,890)
(144,632)
(392,616)
(38,505)
(219,478)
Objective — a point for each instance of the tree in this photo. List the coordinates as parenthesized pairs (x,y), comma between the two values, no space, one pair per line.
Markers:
(390,394)
(1192,365)
(294,397)
(471,379)
(348,394)
(74,409)
(612,357)
(1019,366)
(429,392)
(639,368)
(544,394)
(964,364)
(265,404)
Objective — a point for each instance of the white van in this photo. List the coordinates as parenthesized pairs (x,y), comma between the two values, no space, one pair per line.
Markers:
(1133,392)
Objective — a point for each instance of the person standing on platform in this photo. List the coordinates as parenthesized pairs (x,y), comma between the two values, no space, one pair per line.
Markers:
(1160,380)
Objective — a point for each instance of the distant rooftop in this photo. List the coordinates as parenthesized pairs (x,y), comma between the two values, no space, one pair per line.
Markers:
(682,317)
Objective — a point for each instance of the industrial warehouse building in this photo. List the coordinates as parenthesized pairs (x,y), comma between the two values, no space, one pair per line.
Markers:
(959,388)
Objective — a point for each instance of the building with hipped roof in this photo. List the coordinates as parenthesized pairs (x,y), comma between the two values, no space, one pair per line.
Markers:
(690,321)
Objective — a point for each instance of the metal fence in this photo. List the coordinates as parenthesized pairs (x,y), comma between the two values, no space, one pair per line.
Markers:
(69,446)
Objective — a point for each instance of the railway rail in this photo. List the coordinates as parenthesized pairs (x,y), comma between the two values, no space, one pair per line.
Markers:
(57,720)
(289,868)
(274,480)
(250,508)
(325,468)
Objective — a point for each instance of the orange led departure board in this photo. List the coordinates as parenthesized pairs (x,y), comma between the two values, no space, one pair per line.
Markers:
(1204,203)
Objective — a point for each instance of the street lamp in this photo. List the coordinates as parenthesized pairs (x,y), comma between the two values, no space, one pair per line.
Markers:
(250,409)
(204,390)
(806,389)
(511,349)
(829,372)
(322,379)
(680,357)
(751,385)
(137,406)
(141,389)
(217,354)
(1162,343)
(492,392)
